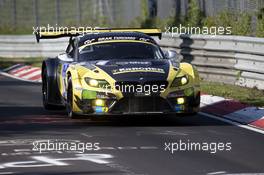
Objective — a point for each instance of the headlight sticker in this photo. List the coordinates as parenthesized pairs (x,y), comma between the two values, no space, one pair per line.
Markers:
(180,81)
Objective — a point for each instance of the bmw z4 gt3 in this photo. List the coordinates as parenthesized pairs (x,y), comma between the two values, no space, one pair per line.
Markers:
(118,72)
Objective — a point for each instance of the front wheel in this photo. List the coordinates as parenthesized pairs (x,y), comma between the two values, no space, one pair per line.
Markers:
(45,93)
(69,105)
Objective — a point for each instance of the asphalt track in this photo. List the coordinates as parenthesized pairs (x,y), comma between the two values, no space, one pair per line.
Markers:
(128,145)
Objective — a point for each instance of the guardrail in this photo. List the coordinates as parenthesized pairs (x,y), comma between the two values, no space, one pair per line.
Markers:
(27,46)
(229,59)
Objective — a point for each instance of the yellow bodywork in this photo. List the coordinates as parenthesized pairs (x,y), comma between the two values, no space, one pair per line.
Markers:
(78,73)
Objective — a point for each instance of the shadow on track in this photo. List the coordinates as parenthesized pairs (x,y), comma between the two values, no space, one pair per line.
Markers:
(18,83)
(15,120)
(21,112)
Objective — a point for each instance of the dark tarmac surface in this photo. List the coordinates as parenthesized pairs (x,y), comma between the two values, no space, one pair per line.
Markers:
(128,145)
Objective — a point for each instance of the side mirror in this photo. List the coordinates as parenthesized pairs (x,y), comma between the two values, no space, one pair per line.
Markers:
(173,55)
(65,57)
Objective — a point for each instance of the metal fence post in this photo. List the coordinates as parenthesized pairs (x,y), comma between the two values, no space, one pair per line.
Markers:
(57,4)
(35,7)
(79,12)
(14,14)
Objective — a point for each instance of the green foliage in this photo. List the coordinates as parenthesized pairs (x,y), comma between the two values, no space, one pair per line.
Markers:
(239,22)
(144,9)
(225,19)
(193,18)
(154,23)
(174,20)
(195,15)
(209,21)
(242,24)
(238,74)
(136,22)
(7,62)
(149,23)
(144,20)
(251,96)
(7,30)
(260,23)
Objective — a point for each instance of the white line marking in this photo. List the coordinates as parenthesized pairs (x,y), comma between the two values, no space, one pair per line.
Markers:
(111,148)
(233,123)
(245,174)
(6,172)
(44,161)
(127,147)
(173,133)
(51,161)
(22,150)
(217,172)
(124,169)
(148,147)
(86,135)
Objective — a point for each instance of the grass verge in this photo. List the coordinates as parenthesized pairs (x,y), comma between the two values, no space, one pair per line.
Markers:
(249,96)
(7,62)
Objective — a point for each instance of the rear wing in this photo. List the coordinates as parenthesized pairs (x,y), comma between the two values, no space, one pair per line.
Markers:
(41,34)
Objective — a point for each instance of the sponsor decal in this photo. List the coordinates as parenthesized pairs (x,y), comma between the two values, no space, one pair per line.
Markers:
(138,69)
(133,62)
(64,69)
(113,38)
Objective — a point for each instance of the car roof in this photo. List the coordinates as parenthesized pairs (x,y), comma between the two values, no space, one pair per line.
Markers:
(112,36)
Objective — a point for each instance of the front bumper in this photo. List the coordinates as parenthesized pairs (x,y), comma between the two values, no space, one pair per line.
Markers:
(138,104)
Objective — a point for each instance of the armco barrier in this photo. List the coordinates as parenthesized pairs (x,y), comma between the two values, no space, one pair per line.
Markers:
(229,59)
(27,46)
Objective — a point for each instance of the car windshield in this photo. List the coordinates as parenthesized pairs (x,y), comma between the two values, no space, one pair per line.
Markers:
(120,50)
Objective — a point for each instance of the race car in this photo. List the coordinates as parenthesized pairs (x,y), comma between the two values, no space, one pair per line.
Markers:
(118,71)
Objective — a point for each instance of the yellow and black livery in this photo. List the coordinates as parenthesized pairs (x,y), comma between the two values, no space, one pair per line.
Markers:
(117,71)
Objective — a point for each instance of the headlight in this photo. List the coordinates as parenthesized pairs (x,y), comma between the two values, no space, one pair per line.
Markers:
(180,101)
(93,82)
(180,81)
(99,102)
(97,83)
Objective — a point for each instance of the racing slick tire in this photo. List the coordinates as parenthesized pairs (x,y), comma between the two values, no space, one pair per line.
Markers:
(45,93)
(69,102)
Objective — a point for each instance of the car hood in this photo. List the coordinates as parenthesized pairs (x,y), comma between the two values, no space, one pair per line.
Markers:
(134,70)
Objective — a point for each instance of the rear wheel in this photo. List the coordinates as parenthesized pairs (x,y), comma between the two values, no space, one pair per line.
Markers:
(69,105)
